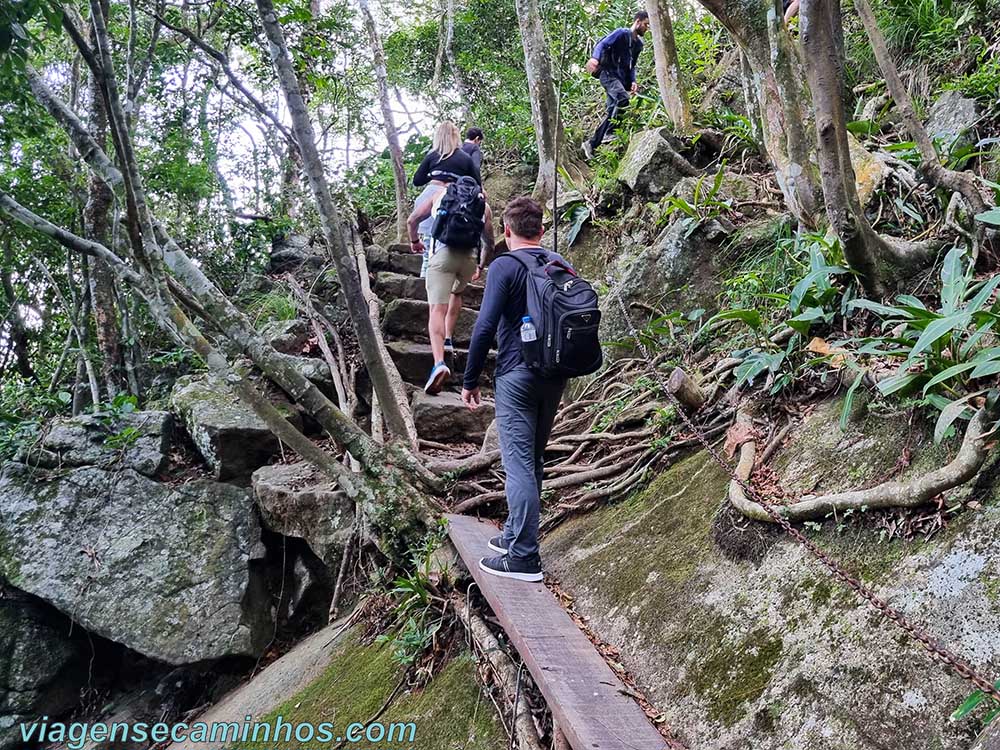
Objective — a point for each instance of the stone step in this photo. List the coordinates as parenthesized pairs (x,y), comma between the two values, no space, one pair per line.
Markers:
(389,286)
(407,264)
(414,362)
(407,319)
(445,419)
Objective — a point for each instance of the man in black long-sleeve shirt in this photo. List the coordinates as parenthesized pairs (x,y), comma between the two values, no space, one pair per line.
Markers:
(526,403)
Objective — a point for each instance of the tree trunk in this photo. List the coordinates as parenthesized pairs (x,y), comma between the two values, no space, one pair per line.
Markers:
(389,120)
(96,224)
(757,27)
(960,182)
(668,72)
(18,334)
(378,368)
(868,253)
(449,38)
(549,135)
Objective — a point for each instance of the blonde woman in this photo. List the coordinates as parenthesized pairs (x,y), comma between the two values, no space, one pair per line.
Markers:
(449,273)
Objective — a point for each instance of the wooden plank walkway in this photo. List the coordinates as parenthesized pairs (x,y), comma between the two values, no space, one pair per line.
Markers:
(584,695)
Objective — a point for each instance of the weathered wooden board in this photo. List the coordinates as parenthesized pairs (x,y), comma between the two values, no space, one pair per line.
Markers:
(585,696)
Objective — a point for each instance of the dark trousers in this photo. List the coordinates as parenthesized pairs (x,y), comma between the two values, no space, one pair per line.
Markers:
(617,103)
(526,406)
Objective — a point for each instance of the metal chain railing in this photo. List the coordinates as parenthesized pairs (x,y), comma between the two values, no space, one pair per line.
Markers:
(959,665)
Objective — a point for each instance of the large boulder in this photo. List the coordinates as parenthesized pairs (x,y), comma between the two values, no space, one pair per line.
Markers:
(296,500)
(951,120)
(138,440)
(744,639)
(652,165)
(287,336)
(444,418)
(42,666)
(229,436)
(290,252)
(679,271)
(165,570)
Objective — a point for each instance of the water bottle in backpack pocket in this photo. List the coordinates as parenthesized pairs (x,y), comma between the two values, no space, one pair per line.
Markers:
(562,311)
(529,342)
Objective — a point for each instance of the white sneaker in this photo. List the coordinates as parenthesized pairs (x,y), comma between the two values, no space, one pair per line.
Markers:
(588,150)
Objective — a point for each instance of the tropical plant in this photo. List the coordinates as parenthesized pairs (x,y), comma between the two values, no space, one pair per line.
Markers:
(947,355)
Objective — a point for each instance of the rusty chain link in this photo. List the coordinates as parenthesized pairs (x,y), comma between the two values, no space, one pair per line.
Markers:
(959,665)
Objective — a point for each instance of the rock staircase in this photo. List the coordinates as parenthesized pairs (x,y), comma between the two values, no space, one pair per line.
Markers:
(440,419)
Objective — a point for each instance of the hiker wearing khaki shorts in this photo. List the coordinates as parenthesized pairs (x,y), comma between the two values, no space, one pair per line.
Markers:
(449,272)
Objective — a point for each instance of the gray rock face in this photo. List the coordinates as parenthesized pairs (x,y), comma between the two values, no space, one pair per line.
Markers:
(287,336)
(166,571)
(446,419)
(232,439)
(290,252)
(296,500)
(952,118)
(648,167)
(407,319)
(140,441)
(41,667)
(752,643)
(679,271)
(400,260)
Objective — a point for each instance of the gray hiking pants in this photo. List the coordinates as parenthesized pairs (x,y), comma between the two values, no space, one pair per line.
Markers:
(526,406)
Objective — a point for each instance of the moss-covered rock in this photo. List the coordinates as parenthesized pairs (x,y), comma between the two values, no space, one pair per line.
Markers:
(449,713)
(772,652)
(229,436)
(167,571)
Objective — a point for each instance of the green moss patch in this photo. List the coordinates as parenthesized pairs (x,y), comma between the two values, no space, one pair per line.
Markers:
(733,674)
(449,714)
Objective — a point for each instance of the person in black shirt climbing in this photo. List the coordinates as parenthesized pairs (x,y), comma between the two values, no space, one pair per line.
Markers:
(472,146)
(613,62)
(448,160)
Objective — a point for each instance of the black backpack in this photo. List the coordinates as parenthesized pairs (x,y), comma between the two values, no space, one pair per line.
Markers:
(563,309)
(459,221)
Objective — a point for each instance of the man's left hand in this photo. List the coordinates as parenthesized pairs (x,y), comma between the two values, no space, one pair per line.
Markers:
(635,88)
(471,398)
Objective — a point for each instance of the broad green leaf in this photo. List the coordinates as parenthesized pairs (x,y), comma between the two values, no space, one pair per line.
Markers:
(974,339)
(968,705)
(991,217)
(937,330)
(950,413)
(884,310)
(947,374)
(845,412)
(750,317)
(910,301)
(953,281)
(897,383)
(985,369)
(800,289)
(983,295)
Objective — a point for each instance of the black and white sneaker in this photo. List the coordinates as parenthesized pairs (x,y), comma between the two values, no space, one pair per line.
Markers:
(512,567)
(496,544)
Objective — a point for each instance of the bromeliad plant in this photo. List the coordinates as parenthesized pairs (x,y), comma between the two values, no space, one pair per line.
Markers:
(949,356)
(824,292)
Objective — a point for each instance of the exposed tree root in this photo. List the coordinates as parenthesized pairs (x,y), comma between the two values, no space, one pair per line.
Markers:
(906,494)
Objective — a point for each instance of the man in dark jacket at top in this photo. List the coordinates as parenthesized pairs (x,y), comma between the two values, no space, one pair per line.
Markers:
(614,59)
(472,146)
(526,402)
